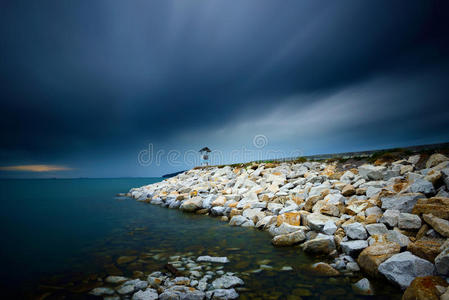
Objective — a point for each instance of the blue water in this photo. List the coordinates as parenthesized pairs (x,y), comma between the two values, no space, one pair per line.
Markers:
(59,236)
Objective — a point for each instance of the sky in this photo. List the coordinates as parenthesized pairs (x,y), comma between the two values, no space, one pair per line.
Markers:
(113,88)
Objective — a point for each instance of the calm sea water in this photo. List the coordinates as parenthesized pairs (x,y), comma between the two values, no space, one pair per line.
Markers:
(59,236)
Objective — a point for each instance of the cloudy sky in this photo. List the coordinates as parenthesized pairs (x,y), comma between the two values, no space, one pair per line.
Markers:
(134,88)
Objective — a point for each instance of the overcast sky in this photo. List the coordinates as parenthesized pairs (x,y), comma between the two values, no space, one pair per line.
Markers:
(88,85)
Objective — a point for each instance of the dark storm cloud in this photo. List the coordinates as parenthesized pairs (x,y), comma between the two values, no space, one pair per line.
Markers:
(107,76)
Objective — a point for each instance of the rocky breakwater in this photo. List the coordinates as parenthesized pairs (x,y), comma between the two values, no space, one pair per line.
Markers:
(388,220)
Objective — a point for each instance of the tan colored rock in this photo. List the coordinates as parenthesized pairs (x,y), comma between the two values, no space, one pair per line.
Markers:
(310,202)
(440,225)
(406,169)
(424,288)
(292,218)
(433,176)
(437,206)
(360,191)
(220,201)
(371,257)
(323,269)
(330,210)
(435,159)
(348,190)
(426,248)
(235,212)
(422,231)
(289,238)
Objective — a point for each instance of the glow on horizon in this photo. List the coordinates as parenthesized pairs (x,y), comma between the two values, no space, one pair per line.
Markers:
(35,168)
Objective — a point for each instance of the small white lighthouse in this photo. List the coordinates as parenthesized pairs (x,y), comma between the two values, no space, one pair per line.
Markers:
(205,156)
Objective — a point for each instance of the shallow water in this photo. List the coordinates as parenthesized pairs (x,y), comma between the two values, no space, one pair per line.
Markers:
(59,236)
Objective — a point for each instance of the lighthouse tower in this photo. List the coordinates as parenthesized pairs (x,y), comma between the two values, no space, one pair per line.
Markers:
(205,156)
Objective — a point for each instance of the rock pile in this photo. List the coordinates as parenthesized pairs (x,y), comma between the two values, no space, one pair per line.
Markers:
(390,220)
(197,283)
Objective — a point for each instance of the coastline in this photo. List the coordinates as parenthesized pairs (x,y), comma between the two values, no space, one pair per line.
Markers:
(378,218)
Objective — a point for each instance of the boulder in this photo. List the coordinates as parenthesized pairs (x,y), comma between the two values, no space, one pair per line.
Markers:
(437,206)
(435,159)
(397,237)
(192,204)
(440,225)
(426,248)
(253,214)
(323,269)
(353,248)
(148,294)
(218,210)
(442,261)
(292,218)
(321,244)
(226,282)
(374,210)
(376,229)
(403,267)
(363,287)
(329,228)
(402,202)
(371,257)
(241,221)
(102,291)
(289,239)
(390,217)
(265,222)
(409,221)
(214,259)
(370,172)
(316,221)
(355,231)
(424,288)
(348,190)
(421,185)
(222,294)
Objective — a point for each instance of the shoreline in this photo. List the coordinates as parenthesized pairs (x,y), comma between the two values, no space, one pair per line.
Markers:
(378,218)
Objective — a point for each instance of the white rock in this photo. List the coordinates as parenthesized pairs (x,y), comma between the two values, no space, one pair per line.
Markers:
(403,267)
(222,294)
(316,221)
(442,261)
(422,186)
(374,210)
(370,172)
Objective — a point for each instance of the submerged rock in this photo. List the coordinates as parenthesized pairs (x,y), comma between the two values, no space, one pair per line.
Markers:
(222,294)
(363,287)
(213,259)
(227,281)
(148,294)
(424,288)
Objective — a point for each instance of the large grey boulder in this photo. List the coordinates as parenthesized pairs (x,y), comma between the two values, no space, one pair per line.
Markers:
(376,229)
(402,202)
(241,221)
(192,204)
(440,225)
(370,172)
(355,231)
(353,248)
(390,217)
(397,237)
(421,185)
(403,267)
(409,221)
